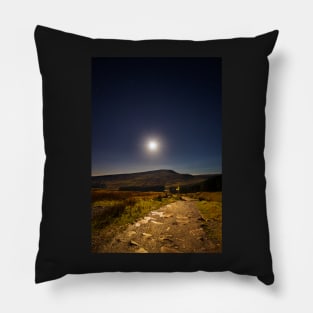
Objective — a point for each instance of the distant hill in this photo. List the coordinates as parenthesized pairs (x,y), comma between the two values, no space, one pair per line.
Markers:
(212,183)
(156,180)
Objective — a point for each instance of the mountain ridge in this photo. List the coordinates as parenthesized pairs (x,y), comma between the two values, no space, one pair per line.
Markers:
(162,178)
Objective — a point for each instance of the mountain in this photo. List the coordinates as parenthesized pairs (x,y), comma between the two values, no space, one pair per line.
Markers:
(156,180)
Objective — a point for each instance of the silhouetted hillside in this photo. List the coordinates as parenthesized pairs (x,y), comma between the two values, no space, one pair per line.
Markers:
(151,181)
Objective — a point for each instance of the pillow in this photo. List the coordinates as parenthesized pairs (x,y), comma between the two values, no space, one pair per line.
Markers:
(154,155)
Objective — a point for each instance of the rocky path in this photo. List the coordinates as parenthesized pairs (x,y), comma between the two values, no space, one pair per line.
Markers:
(174,228)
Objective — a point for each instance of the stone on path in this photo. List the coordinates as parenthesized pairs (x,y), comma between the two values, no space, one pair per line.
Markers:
(165,237)
(165,249)
(134,243)
(155,222)
(168,214)
(160,213)
(141,250)
(148,218)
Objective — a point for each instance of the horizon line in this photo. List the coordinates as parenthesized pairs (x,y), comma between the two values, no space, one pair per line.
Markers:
(162,169)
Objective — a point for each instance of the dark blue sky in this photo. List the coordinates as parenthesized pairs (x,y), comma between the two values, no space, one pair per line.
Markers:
(173,101)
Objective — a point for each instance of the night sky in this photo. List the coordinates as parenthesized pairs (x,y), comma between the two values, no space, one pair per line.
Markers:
(174,102)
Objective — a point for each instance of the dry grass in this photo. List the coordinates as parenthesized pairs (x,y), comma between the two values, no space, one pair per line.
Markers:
(210,207)
(112,211)
(102,194)
(208,196)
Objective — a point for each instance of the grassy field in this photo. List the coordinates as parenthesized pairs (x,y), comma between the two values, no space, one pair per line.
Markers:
(210,208)
(113,210)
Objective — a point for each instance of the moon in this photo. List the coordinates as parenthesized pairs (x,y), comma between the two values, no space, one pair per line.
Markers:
(153,145)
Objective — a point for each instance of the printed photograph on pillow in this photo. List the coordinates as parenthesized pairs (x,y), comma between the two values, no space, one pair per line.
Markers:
(156,151)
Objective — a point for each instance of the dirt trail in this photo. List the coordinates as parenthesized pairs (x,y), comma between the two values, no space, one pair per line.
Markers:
(174,228)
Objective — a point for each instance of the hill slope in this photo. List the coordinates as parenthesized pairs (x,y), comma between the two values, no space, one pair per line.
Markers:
(146,180)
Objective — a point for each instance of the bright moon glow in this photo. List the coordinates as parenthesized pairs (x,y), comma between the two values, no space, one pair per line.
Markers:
(152,145)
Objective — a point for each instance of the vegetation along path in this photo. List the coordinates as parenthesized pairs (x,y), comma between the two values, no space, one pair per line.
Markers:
(177,227)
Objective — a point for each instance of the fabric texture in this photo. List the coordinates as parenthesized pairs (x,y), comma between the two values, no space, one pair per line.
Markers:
(66,64)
